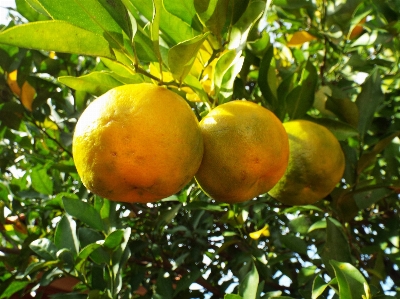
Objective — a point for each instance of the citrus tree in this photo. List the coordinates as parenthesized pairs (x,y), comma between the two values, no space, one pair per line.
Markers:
(332,63)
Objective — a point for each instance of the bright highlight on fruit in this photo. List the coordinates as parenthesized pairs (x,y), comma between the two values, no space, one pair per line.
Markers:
(246,152)
(137,143)
(316,164)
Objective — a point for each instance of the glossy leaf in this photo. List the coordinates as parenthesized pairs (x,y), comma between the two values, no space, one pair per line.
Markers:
(224,62)
(85,253)
(44,248)
(240,30)
(96,83)
(183,9)
(65,235)
(319,286)
(213,14)
(99,17)
(174,28)
(267,79)
(227,84)
(45,35)
(41,181)
(84,212)
(350,280)
(301,98)
(114,239)
(248,287)
(369,100)
(336,246)
(182,56)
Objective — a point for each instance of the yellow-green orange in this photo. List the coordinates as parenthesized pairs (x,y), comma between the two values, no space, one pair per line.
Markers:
(316,164)
(246,152)
(137,143)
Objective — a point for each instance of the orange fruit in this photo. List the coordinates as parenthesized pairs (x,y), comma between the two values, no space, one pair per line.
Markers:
(316,164)
(137,143)
(246,152)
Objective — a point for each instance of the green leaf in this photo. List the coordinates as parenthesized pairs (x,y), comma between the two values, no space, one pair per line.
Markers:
(57,36)
(87,237)
(294,243)
(65,235)
(174,29)
(155,28)
(84,212)
(41,181)
(182,56)
(241,29)
(319,286)
(13,288)
(114,239)
(350,280)
(183,9)
(345,109)
(36,5)
(336,245)
(100,17)
(301,98)
(267,79)
(44,248)
(28,12)
(213,14)
(226,88)
(232,296)
(224,63)
(248,287)
(369,100)
(96,83)
(85,253)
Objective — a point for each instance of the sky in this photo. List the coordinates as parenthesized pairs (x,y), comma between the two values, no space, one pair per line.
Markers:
(4,11)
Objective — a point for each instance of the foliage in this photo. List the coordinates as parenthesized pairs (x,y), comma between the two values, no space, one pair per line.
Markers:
(299,58)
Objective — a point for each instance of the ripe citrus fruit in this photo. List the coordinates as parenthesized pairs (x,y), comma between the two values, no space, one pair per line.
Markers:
(316,164)
(246,152)
(137,143)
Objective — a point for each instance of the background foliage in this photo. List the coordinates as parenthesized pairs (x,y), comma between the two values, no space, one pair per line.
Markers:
(334,62)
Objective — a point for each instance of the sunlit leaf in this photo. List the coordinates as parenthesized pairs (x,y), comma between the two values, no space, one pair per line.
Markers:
(350,280)
(84,212)
(301,98)
(96,83)
(46,35)
(65,235)
(182,56)
(267,79)
(369,100)
(240,30)
(248,287)
(44,248)
(41,181)
(213,14)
